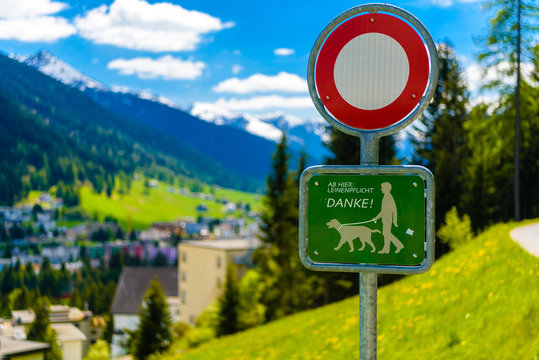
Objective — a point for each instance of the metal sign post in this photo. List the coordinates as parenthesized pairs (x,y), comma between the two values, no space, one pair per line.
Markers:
(372,71)
(368,282)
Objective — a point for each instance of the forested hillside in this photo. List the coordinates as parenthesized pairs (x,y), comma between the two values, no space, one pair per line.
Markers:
(234,148)
(56,133)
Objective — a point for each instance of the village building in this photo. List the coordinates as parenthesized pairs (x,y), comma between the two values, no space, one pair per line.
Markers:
(202,267)
(60,314)
(71,341)
(15,349)
(133,284)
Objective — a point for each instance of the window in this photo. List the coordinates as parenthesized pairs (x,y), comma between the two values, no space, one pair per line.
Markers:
(184,276)
(184,297)
(218,262)
(184,256)
(219,282)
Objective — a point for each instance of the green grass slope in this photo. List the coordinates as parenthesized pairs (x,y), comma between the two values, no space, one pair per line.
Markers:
(141,207)
(479,302)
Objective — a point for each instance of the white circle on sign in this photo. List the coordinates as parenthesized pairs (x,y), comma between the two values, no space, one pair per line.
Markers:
(371,71)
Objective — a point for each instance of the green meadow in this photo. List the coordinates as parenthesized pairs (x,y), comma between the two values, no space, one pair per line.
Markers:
(142,206)
(478,302)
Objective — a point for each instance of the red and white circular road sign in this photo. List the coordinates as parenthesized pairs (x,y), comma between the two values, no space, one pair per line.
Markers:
(372,71)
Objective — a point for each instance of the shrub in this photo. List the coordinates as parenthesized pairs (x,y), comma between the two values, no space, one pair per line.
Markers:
(456,231)
(199,335)
(98,351)
(179,329)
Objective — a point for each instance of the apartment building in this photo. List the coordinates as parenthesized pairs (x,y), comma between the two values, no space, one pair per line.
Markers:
(202,266)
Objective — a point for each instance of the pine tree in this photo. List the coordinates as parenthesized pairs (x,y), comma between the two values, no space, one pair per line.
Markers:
(40,329)
(229,304)
(510,40)
(153,333)
(489,171)
(279,263)
(302,164)
(440,138)
(109,328)
(346,149)
(23,299)
(4,236)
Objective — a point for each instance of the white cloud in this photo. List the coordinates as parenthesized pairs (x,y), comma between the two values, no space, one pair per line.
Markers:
(30,21)
(264,102)
(166,67)
(283,81)
(136,24)
(236,69)
(34,29)
(476,77)
(448,3)
(284,52)
(491,98)
(10,9)
(442,3)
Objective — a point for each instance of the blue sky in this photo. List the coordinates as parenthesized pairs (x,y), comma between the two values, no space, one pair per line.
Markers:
(240,56)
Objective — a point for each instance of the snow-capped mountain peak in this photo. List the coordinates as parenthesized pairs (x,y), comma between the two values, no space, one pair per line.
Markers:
(50,65)
(302,133)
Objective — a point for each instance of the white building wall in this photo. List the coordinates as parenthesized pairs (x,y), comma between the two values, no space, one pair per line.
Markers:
(71,350)
(121,323)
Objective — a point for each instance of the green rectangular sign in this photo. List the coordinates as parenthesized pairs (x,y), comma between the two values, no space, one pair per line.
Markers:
(364,218)
(370,219)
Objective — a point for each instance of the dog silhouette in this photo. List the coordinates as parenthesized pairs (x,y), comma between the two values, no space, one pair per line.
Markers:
(350,233)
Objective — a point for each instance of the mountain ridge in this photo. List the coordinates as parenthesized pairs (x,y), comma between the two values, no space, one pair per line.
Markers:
(120,143)
(303,135)
(232,146)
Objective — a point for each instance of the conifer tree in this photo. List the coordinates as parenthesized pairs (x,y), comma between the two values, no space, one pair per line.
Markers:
(109,329)
(440,138)
(153,333)
(302,164)
(279,263)
(40,329)
(489,171)
(228,305)
(509,42)
(23,299)
(346,149)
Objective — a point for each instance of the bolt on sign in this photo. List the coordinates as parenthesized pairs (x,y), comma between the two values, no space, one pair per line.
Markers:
(372,72)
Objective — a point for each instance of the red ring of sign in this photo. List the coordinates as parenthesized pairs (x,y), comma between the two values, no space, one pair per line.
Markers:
(391,114)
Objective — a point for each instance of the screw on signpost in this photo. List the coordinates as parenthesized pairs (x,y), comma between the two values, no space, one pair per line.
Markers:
(372,71)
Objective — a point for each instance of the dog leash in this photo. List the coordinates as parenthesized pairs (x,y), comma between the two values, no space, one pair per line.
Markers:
(358,223)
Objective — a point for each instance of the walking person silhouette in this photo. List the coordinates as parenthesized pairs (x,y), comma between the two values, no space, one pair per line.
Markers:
(388,213)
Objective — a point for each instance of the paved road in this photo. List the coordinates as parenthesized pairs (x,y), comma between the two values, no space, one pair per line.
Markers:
(528,237)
